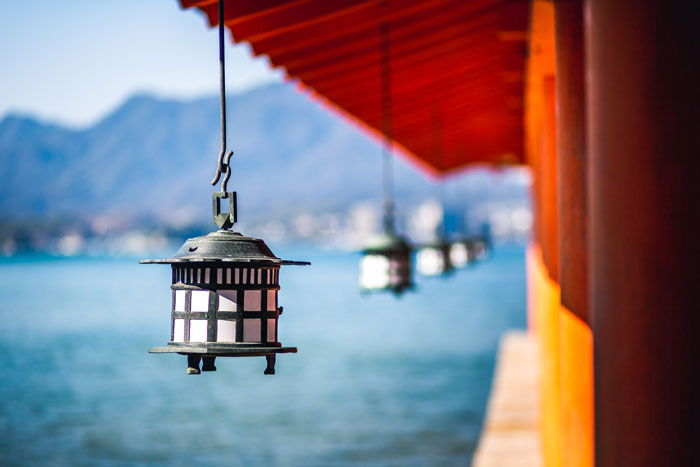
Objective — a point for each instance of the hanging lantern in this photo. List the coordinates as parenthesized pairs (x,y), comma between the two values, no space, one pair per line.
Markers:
(225,297)
(461,253)
(386,264)
(480,246)
(224,285)
(386,257)
(433,259)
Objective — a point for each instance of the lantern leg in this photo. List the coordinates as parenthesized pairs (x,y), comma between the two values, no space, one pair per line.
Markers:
(208,364)
(270,370)
(193,364)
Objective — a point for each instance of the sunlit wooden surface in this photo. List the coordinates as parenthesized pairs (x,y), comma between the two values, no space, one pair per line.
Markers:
(510,436)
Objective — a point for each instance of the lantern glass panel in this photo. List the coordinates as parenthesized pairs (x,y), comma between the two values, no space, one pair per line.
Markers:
(198,330)
(199,300)
(375,272)
(459,255)
(271,330)
(251,330)
(178,330)
(180,300)
(228,300)
(251,300)
(226,331)
(431,261)
(271,300)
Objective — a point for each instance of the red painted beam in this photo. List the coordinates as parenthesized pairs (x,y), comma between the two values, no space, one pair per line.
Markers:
(455,12)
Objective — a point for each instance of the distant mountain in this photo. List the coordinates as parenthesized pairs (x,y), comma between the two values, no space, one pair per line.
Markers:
(152,159)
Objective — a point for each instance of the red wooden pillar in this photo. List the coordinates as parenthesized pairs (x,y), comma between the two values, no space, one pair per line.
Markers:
(643,88)
(575,339)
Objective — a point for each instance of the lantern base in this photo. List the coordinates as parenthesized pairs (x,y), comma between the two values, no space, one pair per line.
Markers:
(222,350)
(207,353)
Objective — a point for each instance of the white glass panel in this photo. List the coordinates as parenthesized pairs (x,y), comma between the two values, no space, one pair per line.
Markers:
(268,275)
(459,256)
(244,272)
(259,276)
(237,276)
(226,331)
(271,325)
(251,330)
(207,275)
(219,275)
(271,295)
(431,261)
(198,330)
(200,300)
(178,330)
(180,300)
(228,275)
(228,300)
(374,272)
(251,300)
(199,276)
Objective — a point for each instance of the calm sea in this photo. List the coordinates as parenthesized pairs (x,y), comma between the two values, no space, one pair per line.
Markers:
(377,381)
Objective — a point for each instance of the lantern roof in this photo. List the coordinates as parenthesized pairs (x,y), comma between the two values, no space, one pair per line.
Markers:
(224,246)
(387,243)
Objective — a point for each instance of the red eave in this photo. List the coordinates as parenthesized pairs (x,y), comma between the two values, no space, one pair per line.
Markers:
(457,67)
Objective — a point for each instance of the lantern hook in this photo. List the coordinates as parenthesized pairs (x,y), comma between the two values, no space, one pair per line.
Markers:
(223,167)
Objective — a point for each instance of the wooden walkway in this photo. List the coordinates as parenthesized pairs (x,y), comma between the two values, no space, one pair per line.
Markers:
(511,430)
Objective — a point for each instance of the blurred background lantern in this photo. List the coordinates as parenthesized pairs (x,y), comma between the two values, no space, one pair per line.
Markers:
(386,257)
(386,264)
(461,253)
(433,259)
(481,245)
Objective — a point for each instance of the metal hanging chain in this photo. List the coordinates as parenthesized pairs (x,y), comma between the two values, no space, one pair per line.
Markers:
(439,143)
(387,124)
(222,166)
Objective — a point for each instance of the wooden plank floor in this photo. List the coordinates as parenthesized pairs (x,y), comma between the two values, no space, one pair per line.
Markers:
(511,430)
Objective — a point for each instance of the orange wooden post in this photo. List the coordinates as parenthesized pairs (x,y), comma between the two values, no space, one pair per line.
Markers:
(543,255)
(575,339)
(643,111)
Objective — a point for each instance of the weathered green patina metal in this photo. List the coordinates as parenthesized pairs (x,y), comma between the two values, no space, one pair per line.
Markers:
(224,246)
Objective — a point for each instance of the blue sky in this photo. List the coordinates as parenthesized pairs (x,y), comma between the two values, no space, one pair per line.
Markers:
(73,61)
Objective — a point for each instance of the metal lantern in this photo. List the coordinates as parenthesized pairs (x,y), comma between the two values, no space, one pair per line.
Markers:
(386,257)
(224,285)
(433,259)
(461,253)
(480,245)
(224,289)
(386,264)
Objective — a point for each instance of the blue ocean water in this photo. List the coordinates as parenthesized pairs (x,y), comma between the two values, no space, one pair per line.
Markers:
(377,381)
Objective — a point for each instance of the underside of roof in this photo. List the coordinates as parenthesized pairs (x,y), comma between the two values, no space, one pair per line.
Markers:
(456,67)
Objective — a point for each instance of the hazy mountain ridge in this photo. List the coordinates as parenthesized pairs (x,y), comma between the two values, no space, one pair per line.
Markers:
(153,158)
